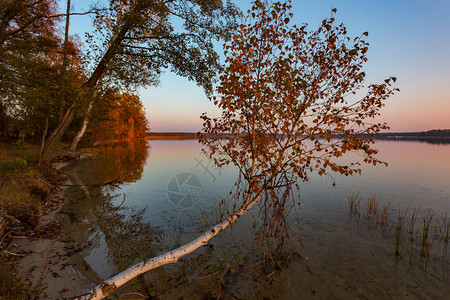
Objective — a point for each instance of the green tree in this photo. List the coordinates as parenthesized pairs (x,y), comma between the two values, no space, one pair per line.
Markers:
(31,52)
(25,22)
(140,40)
(25,38)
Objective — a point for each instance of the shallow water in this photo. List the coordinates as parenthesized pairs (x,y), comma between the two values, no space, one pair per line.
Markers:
(165,193)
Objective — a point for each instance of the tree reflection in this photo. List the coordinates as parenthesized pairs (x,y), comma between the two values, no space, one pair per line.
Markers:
(124,160)
(97,212)
(126,234)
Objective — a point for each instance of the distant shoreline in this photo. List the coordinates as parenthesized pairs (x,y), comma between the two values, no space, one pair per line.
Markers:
(404,137)
(182,135)
(431,134)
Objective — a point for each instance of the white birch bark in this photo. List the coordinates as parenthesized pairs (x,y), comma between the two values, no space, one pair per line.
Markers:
(171,257)
(80,133)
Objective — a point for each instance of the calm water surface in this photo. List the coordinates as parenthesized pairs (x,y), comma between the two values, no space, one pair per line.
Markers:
(167,193)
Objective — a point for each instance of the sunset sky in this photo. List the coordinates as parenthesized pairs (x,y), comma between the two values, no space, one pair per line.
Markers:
(409,39)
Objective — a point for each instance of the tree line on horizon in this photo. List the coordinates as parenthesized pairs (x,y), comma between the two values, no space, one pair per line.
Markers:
(192,135)
(428,133)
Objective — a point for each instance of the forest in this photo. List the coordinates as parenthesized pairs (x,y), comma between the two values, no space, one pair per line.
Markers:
(43,70)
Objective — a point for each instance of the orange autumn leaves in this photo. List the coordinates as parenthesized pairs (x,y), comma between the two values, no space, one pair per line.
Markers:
(290,96)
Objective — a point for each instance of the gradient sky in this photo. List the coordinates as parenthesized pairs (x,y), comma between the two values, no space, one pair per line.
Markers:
(409,39)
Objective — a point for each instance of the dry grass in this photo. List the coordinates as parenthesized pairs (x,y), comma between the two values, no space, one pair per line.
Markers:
(20,182)
(25,186)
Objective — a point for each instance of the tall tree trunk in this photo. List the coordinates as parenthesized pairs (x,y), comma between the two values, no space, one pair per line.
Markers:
(171,257)
(80,133)
(53,141)
(64,63)
(43,141)
(89,85)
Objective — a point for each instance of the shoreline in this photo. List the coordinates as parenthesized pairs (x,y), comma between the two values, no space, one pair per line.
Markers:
(46,263)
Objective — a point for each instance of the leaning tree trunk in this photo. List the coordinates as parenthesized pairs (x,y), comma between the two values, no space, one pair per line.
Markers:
(52,143)
(171,257)
(55,138)
(43,141)
(80,133)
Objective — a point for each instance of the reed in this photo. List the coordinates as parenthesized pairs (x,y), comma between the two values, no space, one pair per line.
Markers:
(354,202)
(231,256)
(399,231)
(176,238)
(371,213)
(220,211)
(425,244)
(203,217)
(384,217)
(442,228)
(412,222)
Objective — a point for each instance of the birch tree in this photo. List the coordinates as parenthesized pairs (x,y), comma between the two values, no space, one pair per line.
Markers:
(286,94)
(290,96)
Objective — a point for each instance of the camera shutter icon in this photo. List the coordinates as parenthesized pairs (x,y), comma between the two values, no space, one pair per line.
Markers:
(184,190)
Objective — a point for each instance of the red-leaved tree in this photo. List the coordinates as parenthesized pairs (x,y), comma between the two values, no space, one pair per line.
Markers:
(289,95)
(286,95)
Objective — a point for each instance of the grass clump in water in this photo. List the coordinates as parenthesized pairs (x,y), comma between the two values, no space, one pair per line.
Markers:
(426,243)
(442,228)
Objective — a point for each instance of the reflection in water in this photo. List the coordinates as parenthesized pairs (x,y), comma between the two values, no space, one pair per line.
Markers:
(339,260)
(119,160)
(99,216)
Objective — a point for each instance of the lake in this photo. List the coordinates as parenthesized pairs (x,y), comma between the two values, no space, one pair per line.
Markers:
(165,193)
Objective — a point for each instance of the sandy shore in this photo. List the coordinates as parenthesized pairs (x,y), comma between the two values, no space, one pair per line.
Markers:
(53,265)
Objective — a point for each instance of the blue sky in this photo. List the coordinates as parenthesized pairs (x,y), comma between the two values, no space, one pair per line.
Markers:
(409,39)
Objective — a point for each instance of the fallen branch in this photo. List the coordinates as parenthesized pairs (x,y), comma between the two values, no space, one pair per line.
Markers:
(171,257)
(13,254)
(11,218)
(3,237)
(18,237)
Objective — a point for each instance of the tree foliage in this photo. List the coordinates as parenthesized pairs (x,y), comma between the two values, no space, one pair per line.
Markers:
(24,37)
(45,83)
(156,35)
(26,22)
(30,63)
(291,98)
(140,41)
(120,116)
